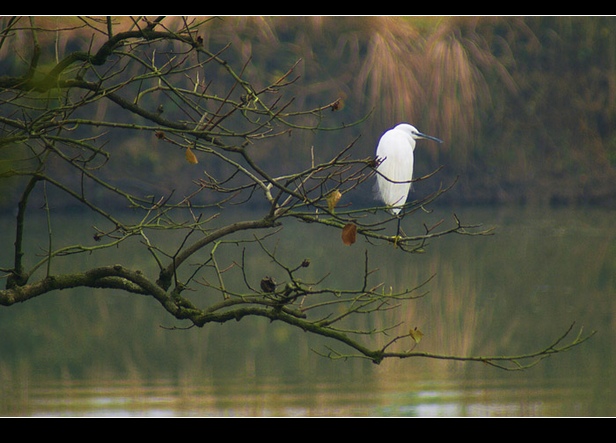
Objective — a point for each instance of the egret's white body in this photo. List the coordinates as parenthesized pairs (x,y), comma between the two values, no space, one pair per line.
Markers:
(395,171)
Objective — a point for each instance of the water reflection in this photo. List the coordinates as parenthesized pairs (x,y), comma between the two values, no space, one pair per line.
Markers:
(89,353)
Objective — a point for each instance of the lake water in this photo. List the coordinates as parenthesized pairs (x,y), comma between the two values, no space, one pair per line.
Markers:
(93,353)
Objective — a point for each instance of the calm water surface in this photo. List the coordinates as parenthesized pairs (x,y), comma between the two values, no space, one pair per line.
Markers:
(91,353)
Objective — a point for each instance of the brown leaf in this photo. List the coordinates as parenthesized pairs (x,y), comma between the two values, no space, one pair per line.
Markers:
(268,284)
(337,105)
(349,234)
(191,157)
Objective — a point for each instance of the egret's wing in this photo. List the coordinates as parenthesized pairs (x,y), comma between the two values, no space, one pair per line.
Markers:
(396,169)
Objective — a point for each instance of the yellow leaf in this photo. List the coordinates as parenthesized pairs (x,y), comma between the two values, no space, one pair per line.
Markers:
(191,157)
(332,199)
(349,234)
(416,334)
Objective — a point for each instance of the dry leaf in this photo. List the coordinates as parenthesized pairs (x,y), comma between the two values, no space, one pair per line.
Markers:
(416,334)
(337,105)
(191,157)
(349,234)
(332,199)
(268,284)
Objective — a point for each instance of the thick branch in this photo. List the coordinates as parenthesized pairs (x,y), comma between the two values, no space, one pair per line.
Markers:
(18,276)
(166,274)
(116,277)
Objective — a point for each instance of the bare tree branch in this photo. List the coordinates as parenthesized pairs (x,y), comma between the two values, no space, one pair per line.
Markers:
(71,123)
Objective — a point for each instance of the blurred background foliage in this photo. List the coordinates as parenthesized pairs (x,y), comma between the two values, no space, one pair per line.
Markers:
(525,104)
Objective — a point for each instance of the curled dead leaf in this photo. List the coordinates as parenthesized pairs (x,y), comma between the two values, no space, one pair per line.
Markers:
(332,199)
(268,284)
(191,157)
(337,105)
(416,335)
(375,162)
(349,234)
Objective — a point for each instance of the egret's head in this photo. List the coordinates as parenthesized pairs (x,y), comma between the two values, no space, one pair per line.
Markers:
(415,134)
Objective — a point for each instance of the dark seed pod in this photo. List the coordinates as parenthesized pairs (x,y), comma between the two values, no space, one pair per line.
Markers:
(268,284)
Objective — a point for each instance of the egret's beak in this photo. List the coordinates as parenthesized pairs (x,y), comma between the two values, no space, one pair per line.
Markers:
(428,137)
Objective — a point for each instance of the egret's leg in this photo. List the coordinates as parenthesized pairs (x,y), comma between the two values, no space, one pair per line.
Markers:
(398,229)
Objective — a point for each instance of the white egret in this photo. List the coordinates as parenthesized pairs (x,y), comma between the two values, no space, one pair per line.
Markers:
(395,170)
